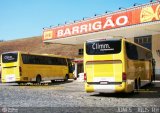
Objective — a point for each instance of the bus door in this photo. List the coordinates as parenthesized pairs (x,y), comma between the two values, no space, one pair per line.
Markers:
(70,68)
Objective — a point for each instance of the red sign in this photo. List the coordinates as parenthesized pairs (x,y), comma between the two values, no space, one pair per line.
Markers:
(129,17)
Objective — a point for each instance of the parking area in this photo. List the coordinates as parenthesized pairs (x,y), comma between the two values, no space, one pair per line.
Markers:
(72,94)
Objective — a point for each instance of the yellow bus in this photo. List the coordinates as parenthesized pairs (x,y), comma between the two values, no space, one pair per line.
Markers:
(0,72)
(116,65)
(24,67)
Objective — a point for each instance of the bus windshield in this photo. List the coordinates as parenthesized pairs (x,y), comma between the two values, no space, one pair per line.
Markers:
(9,57)
(103,47)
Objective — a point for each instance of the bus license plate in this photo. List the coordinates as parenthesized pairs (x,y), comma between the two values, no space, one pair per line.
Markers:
(104,82)
(10,78)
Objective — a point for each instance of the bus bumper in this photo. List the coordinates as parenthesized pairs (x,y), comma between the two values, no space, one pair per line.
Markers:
(105,88)
(10,81)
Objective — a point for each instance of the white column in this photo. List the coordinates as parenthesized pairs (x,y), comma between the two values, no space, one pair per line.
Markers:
(75,71)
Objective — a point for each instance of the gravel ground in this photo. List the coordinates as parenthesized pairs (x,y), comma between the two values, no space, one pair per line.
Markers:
(70,95)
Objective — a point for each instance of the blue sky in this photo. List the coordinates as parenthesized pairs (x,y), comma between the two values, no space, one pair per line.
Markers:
(26,18)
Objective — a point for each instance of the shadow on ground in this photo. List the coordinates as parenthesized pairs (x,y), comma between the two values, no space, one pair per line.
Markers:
(58,82)
(148,91)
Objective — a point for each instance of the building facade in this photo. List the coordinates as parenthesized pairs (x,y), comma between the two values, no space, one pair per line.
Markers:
(140,24)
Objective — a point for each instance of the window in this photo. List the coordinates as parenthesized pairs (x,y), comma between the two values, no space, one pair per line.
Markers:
(80,52)
(43,60)
(145,41)
(131,51)
(9,57)
(137,53)
(103,47)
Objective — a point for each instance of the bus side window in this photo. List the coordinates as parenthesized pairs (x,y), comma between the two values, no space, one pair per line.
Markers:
(141,53)
(53,60)
(148,56)
(131,51)
(49,61)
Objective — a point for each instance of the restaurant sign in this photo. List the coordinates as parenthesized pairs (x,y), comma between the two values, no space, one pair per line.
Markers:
(129,17)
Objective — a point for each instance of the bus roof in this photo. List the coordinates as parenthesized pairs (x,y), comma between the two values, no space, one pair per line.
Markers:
(10,52)
(107,38)
(51,55)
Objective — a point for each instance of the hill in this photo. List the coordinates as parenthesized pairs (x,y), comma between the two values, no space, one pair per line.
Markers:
(35,45)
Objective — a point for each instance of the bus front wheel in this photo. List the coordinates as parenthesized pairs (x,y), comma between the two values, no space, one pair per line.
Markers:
(38,79)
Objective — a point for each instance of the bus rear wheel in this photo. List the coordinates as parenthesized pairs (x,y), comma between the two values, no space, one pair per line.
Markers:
(52,81)
(151,80)
(66,78)
(135,85)
(139,83)
(38,79)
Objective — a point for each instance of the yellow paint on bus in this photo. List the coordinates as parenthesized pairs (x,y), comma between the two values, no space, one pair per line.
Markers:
(116,65)
(23,67)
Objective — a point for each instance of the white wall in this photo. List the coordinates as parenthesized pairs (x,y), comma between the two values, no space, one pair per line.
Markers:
(155,49)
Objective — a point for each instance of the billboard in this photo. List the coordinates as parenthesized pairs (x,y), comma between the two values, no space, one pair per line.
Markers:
(128,17)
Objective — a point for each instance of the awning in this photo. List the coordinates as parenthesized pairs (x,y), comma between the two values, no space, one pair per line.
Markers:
(144,29)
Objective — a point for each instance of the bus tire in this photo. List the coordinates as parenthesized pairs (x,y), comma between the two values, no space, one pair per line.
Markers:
(139,83)
(52,81)
(19,83)
(38,79)
(66,78)
(135,85)
(151,80)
